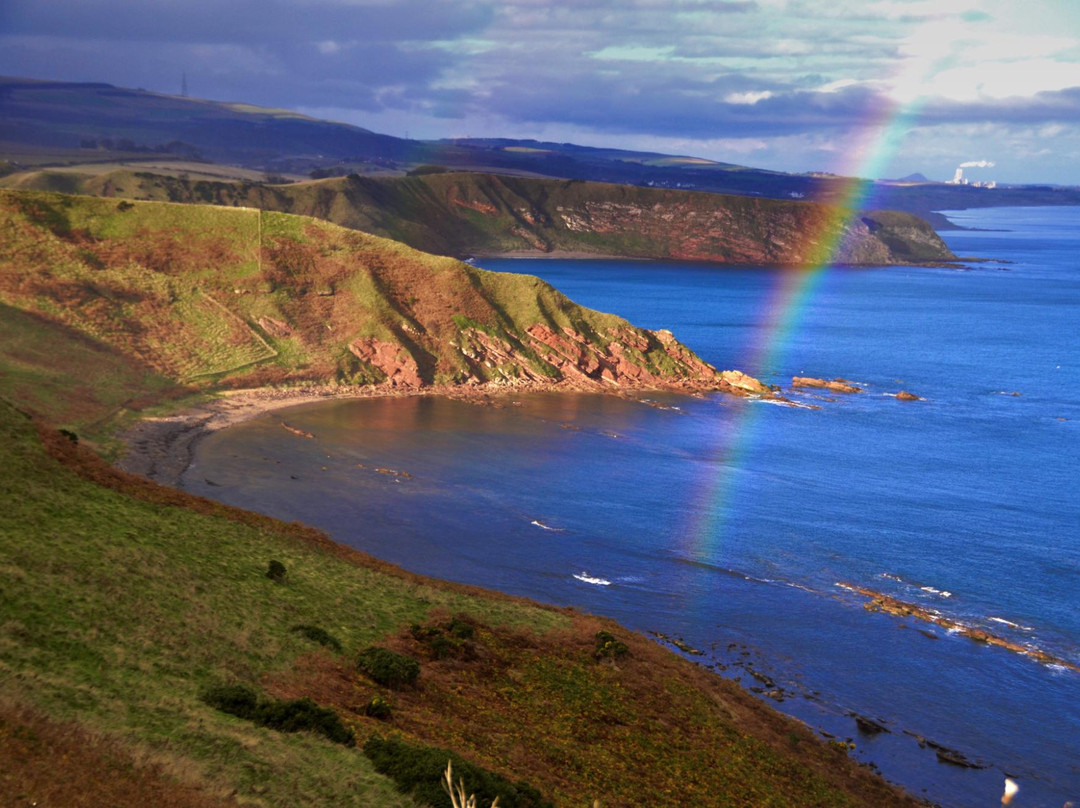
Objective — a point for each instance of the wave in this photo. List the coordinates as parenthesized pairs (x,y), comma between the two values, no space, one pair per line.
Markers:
(1010,624)
(542,526)
(942,592)
(589,579)
(930,590)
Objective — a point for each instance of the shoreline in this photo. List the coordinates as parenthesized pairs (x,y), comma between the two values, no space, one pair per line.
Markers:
(161,448)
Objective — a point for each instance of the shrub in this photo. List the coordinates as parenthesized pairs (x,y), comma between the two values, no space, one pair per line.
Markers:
(451,638)
(460,627)
(378,708)
(276,572)
(238,700)
(303,714)
(387,667)
(284,716)
(420,771)
(321,636)
(609,647)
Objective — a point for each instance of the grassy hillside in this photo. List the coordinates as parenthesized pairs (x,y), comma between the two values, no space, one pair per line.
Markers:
(121,603)
(477,214)
(138,299)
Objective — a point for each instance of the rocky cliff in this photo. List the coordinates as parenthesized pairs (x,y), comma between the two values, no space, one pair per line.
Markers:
(461,214)
(203,296)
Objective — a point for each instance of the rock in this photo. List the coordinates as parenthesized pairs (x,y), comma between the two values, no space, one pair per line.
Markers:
(741,381)
(394,361)
(299,432)
(836,385)
(867,726)
(904,395)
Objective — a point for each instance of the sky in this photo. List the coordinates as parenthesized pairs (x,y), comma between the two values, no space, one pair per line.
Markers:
(880,88)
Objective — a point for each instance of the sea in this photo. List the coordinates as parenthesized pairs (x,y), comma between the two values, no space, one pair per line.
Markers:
(738,530)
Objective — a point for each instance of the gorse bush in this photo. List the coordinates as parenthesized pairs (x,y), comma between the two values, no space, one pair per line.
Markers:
(378,708)
(386,667)
(304,715)
(608,646)
(276,571)
(297,715)
(420,772)
(451,638)
(321,636)
(238,700)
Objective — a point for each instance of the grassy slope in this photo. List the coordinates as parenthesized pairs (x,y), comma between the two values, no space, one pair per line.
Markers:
(116,611)
(120,600)
(148,297)
(463,214)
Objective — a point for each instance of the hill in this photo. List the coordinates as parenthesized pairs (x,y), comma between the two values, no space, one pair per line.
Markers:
(464,214)
(48,123)
(160,299)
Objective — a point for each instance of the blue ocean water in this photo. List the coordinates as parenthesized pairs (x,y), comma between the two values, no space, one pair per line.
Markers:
(730,523)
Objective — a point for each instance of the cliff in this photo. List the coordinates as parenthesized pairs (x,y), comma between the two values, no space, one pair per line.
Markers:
(462,214)
(207,296)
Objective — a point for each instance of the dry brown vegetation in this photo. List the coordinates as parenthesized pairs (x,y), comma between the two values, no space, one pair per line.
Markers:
(50,764)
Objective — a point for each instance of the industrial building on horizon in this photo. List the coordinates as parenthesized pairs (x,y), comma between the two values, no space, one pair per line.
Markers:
(960,179)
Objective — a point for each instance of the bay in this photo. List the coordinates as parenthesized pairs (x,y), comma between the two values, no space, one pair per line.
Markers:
(731,523)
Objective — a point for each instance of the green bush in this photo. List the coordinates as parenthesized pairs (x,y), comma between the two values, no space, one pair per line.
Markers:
(303,714)
(284,716)
(276,571)
(609,647)
(461,627)
(451,638)
(238,700)
(418,771)
(387,667)
(321,636)
(378,708)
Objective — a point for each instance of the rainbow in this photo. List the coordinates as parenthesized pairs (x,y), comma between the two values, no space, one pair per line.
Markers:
(716,497)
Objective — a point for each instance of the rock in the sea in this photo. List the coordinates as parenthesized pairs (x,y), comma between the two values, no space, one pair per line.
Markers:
(742,381)
(868,726)
(836,385)
(904,395)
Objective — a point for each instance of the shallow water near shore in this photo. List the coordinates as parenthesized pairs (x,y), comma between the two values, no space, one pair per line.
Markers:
(730,523)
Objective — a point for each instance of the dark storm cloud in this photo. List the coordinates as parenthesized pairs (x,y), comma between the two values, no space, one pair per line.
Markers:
(254,22)
(271,52)
(1061,106)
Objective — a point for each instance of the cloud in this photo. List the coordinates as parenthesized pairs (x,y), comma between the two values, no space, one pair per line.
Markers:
(803,73)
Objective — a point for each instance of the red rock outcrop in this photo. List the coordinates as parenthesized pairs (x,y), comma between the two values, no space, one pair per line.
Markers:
(394,361)
(835,385)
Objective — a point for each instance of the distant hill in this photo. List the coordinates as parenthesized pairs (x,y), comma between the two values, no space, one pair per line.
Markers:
(461,214)
(916,177)
(64,123)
